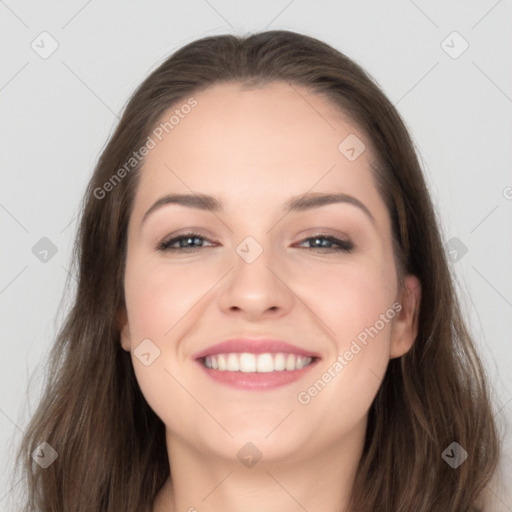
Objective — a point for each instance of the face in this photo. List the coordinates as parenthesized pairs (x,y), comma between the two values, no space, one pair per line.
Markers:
(320,277)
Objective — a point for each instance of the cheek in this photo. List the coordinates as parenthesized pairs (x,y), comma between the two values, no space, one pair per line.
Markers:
(160,300)
(348,297)
(355,304)
(159,295)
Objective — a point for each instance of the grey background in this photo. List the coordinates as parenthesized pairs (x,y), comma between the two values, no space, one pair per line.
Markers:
(58,113)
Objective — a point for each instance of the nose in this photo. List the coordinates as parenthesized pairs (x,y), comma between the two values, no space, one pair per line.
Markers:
(257,289)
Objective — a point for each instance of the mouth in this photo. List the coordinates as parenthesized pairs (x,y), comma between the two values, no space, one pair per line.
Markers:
(255,364)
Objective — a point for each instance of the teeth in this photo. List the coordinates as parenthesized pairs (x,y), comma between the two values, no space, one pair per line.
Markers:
(247,362)
(260,363)
(264,363)
(221,363)
(279,362)
(233,363)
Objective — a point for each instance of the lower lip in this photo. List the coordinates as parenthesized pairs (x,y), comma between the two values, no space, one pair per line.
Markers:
(256,380)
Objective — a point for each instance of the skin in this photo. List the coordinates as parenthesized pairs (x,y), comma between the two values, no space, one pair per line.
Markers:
(254,149)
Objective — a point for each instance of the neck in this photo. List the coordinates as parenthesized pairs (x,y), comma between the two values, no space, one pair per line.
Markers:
(319,480)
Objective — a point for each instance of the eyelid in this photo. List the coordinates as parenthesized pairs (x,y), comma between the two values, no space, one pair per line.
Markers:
(323,231)
(191,231)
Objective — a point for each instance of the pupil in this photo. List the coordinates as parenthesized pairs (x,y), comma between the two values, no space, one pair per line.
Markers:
(190,239)
(322,240)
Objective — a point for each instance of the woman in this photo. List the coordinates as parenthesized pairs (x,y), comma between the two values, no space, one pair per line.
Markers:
(265,317)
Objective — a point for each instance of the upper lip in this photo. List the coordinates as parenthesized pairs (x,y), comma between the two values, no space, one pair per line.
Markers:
(253,346)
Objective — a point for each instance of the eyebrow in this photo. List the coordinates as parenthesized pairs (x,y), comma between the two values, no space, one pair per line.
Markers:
(295,204)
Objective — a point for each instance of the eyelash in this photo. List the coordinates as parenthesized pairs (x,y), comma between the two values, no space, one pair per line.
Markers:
(343,245)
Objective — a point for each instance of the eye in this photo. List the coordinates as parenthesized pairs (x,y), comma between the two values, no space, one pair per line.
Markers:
(189,242)
(186,242)
(329,243)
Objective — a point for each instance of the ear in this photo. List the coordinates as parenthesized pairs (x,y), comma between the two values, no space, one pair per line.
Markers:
(124,330)
(405,325)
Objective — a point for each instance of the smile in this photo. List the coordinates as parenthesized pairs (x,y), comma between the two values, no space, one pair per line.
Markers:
(256,363)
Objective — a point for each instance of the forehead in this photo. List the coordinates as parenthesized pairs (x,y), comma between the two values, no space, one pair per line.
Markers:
(256,144)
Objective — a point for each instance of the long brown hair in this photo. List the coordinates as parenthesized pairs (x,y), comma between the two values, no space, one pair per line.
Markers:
(111,445)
